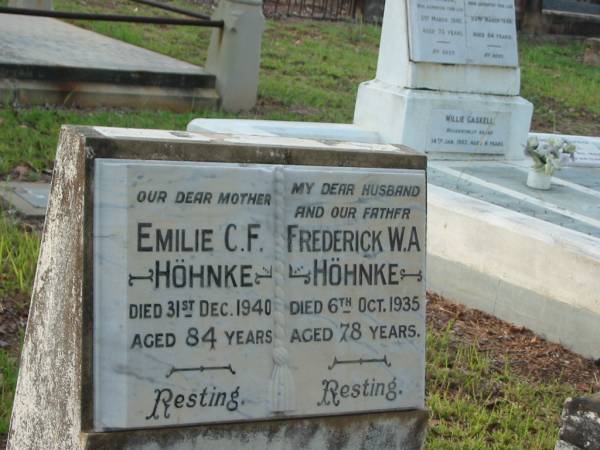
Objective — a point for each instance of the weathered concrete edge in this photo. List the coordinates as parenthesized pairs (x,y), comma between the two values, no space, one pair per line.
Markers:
(220,148)
(91,95)
(46,411)
(525,251)
(403,430)
(78,74)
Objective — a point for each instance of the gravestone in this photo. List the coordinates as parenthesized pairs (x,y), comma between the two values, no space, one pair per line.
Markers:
(222,291)
(448,80)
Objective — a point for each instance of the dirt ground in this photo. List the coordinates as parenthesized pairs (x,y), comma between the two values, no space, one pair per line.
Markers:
(527,354)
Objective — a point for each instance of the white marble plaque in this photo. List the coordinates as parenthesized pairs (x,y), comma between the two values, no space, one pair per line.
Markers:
(476,32)
(491,33)
(226,292)
(469,131)
(437,31)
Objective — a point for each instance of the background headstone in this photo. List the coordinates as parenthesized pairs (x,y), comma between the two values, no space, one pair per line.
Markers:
(448,80)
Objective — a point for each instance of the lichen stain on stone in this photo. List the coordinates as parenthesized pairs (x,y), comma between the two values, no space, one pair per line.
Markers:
(338,439)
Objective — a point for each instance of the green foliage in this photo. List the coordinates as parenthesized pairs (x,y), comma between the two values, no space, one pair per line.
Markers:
(565,92)
(557,72)
(29,136)
(18,257)
(476,405)
(8,383)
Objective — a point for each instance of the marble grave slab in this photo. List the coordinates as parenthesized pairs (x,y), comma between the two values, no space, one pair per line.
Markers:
(476,32)
(227,292)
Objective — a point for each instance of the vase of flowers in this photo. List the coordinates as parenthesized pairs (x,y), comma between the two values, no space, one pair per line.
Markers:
(547,159)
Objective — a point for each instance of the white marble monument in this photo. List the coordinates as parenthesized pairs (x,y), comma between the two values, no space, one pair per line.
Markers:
(448,80)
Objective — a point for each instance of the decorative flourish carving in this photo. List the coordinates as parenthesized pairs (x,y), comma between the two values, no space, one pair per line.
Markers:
(418,275)
(361,361)
(296,273)
(133,278)
(199,369)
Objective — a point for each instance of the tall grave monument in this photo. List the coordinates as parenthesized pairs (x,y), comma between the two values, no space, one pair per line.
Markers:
(226,292)
(448,80)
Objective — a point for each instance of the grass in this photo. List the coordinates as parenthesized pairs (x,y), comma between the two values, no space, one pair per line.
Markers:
(8,383)
(310,71)
(18,257)
(565,92)
(475,405)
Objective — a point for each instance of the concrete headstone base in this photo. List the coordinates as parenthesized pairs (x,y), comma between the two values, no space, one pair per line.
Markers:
(445,124)
(399,430)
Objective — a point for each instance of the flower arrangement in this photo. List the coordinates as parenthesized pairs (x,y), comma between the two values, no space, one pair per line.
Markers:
(547,157)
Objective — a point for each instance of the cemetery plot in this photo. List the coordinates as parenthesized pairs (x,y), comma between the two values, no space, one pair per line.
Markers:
(230,293)
(477,32)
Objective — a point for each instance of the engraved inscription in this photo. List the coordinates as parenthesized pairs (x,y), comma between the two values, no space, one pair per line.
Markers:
(468,131)
(477,32)
(229,293)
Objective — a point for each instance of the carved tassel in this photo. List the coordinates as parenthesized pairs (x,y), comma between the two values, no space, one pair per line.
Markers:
(282,388)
